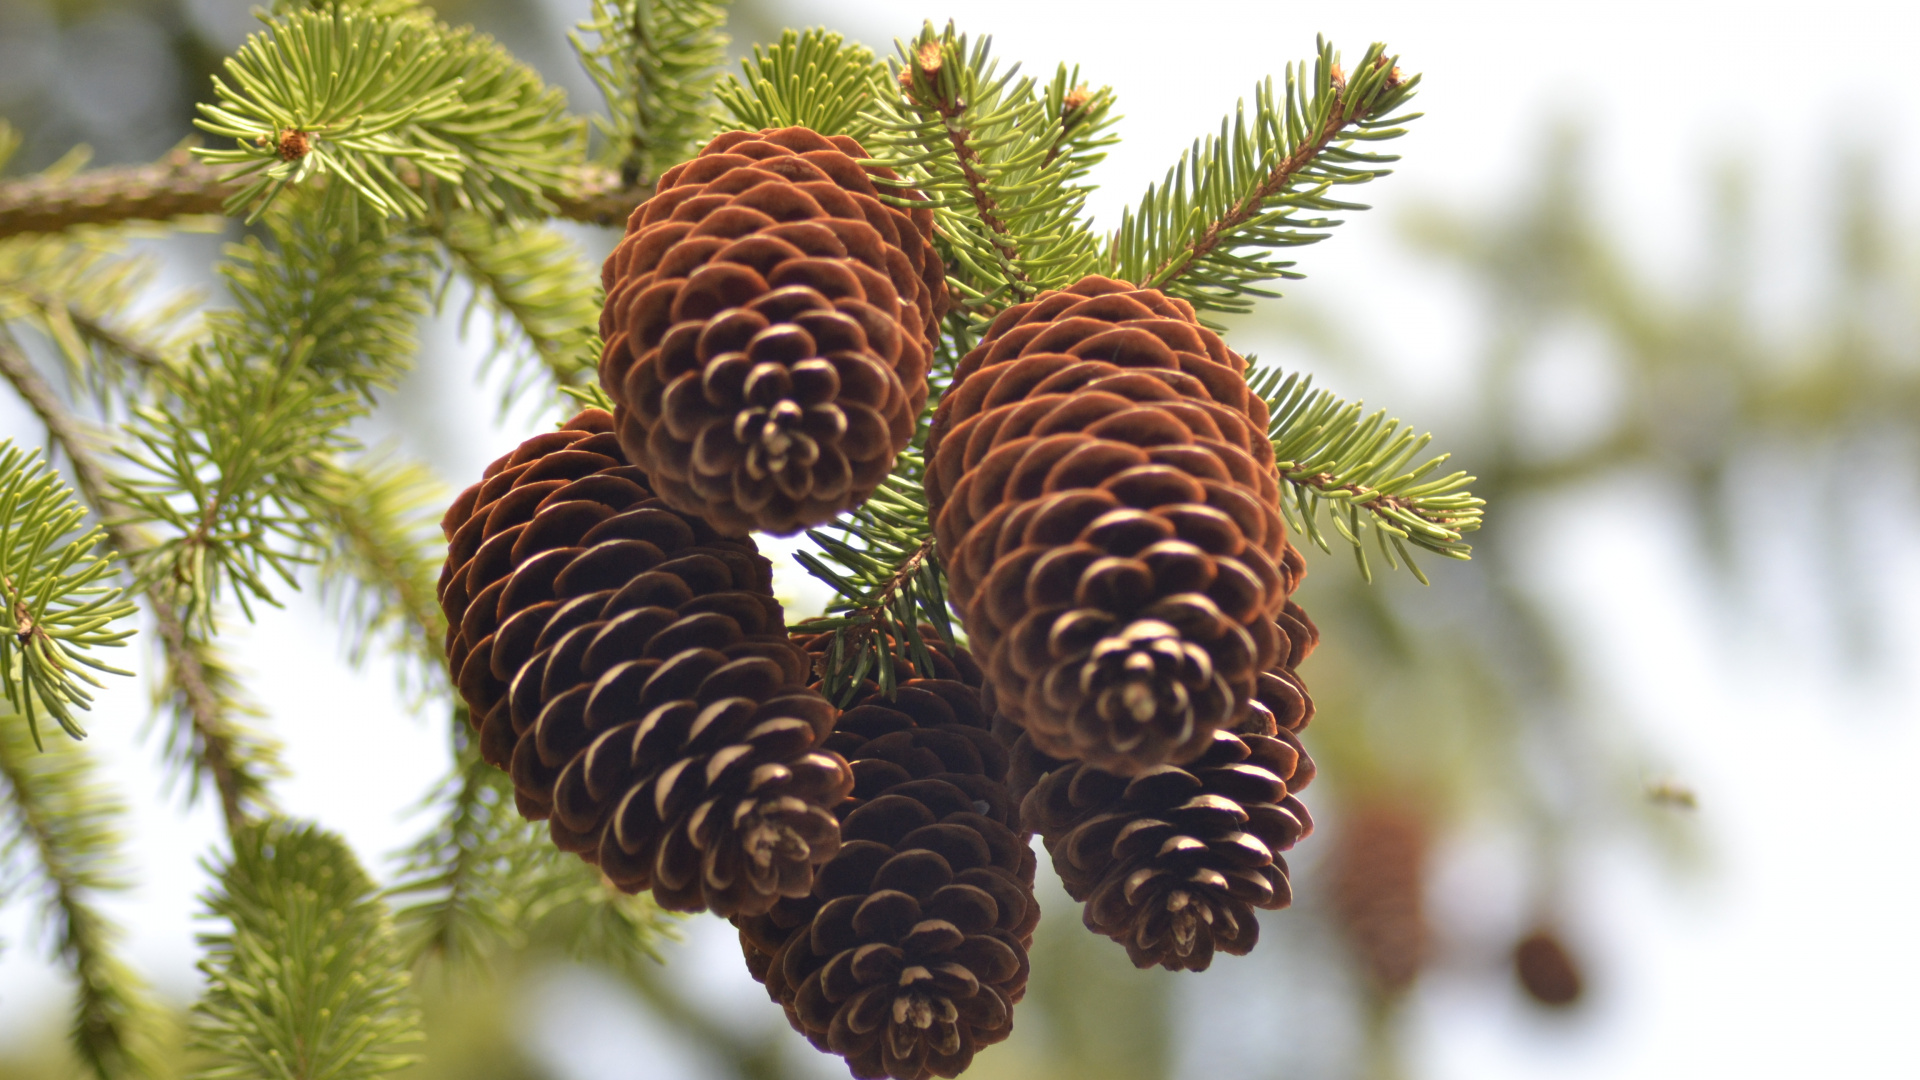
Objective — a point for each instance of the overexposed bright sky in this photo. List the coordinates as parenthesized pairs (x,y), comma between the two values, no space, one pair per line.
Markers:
(1792,955)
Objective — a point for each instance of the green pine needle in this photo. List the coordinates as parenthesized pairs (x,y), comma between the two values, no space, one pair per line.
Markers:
(405,113)
(1358,469)
(306,981)
(1209,232)
(814,79)
(59,601)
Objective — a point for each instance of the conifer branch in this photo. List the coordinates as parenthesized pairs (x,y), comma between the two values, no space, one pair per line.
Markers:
(55,598)
(880,562)
(1000,163)
(483,880)
(381,518)
(450,907)
(54,817)
(223,459)
(170,189)
(814,79)
(1359,470)
(400,113)
(542,295)
(208,739)
(656,63)
(1207,233)
(305,980)
(74,290)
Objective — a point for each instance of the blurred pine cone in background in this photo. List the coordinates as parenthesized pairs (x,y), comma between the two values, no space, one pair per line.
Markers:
(1107,512)
(912,950)
(1376,875)
(631,670)
(1546,969)
(768,329)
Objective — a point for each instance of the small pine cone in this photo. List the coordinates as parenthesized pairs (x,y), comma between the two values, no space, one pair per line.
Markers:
(1172,862)
(912,950)
(630,669)
(1377,877)
(1107,511)
(768,329)
(1546,969)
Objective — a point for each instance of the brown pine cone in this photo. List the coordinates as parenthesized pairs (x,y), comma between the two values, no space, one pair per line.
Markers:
(1172,862)
(912,950)
(768,328)
(1377,876)
(1107,511)
(1546,969)
(630,669)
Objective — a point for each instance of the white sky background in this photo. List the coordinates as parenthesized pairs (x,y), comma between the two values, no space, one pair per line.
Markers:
(1793,955)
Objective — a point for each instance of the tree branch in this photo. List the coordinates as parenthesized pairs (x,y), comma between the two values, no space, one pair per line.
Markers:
(177,186)
(214,738)
(1337,119)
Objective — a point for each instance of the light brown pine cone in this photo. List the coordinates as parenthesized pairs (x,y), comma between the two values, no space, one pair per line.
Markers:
(631,670)
(1107,512)
(768,329)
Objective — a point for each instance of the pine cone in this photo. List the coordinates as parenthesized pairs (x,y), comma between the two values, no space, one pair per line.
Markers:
(767,327)
(631,670)
(1377,875)
(1547,970)
(1107,511)
(1172,862)
(912,950)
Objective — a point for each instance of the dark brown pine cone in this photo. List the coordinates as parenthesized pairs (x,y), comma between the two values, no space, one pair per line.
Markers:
(1377,876)
(631,670)
(912,950)
(1107,511)
(767,327)
(1546,969)
(1172,862)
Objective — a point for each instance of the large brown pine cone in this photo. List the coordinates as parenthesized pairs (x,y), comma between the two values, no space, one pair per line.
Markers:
(1172,862)
(767,327)
(1377,878)
(912,950)
(1107,511)
(631,670)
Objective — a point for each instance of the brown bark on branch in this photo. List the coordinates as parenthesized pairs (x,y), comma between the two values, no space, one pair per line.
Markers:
(178,186)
